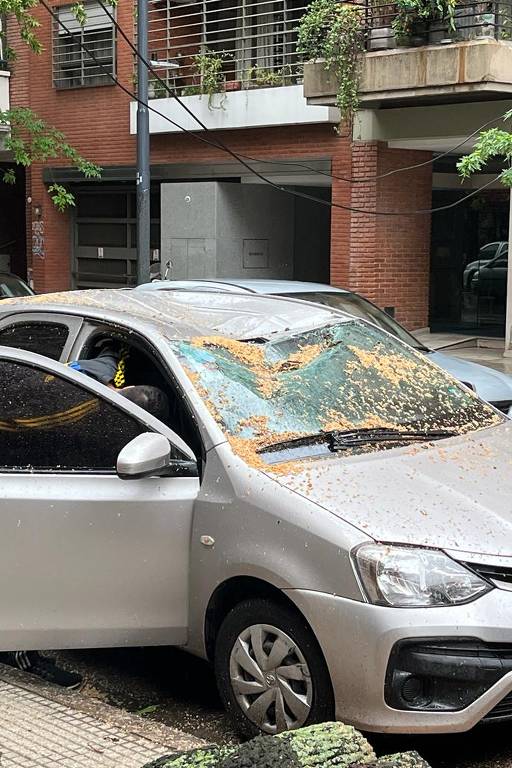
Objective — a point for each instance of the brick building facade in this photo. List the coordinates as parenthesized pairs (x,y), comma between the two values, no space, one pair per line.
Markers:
(384,258)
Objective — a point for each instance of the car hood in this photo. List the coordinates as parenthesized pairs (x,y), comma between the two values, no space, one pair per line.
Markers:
(490,384)
(453,494)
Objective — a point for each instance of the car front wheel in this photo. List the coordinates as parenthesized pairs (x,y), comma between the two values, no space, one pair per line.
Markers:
(270,670)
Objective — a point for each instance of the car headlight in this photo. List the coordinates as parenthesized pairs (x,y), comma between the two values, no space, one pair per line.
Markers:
(410,577)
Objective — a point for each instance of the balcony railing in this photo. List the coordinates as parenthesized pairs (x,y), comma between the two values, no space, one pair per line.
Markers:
(231,44)
(471,21)
(227,45)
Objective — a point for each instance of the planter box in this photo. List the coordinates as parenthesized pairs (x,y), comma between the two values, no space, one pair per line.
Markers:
(232,85)
(381,39)
(439,33)
(417,38)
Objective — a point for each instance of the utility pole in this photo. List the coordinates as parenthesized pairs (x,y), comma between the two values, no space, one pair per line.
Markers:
(143,170)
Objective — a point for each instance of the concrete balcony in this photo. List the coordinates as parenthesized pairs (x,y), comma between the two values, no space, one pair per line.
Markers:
(470,70)
(258,108)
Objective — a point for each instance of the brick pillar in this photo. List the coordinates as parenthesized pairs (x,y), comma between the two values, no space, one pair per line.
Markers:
(404,242)
(364,274)
(49,240)
(340,219)
(389,256)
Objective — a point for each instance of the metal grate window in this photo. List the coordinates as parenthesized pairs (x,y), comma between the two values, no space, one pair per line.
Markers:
(72,66)
(256,40)
(3,45)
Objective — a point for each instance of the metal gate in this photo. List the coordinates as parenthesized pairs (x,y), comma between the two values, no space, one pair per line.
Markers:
(105,237)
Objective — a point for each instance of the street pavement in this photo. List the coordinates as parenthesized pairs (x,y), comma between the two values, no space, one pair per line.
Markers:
(178,708)
(172,687)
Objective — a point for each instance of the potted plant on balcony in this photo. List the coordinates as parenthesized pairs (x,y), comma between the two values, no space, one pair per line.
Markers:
(232,85)
(208,66)
(156,89)
(381,35)
(191,90)
(415,19)
(260,77)
(334,32)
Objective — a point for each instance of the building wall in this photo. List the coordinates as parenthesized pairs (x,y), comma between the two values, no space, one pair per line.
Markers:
(389,256)
(385,259)
(220,229)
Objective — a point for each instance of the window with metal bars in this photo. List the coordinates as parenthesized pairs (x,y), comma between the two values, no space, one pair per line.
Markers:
(255,39)
(3,45)
(73,67)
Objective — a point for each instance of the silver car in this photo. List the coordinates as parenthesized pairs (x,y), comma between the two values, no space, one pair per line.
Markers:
(491,385)
(336,545)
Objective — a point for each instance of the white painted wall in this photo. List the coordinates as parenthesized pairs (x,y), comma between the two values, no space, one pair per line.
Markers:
(254,108)
(4,90)
(4,102)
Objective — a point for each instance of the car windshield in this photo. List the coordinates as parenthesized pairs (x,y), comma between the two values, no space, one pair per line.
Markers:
(342,376)
(11,286)
(356,305)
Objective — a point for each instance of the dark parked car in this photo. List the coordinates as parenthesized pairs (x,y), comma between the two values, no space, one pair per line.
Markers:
(12,286)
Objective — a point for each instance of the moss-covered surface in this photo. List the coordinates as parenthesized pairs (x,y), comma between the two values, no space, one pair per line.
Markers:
(328,745)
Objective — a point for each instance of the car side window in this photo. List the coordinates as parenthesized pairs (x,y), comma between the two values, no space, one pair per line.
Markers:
(48,423)
(44,338)
(488,251)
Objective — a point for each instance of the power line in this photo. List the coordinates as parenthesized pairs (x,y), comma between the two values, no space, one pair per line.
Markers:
(402,169)
(222,146)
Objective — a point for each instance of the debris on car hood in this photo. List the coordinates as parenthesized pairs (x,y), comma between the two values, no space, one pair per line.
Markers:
(454,494)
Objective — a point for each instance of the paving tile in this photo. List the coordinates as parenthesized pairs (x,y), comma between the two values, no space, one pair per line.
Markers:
(38,733)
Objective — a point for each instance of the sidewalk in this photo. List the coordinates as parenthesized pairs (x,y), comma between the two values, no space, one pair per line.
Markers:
(482,351)
(42,726)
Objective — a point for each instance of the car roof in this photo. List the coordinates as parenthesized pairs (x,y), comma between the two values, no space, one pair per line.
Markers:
(249,285)
(184,314)
(3,273)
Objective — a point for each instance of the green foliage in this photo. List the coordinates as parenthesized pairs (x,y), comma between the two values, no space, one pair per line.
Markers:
(32,140)
(149,710)
(27,23)
(62,199)
(157,89)
(208,66)
(80,13)
(334,31)
(263,77)
(491,144)
(327,745)
(22,10)
(191,90)
(412,14)
(9,176)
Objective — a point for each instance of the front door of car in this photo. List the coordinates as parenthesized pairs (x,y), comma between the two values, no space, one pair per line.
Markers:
(86,559)
(496,275)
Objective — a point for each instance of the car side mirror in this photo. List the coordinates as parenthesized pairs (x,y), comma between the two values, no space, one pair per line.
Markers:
(145,456)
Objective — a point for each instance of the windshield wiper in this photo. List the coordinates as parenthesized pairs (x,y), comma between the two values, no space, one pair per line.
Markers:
(342,440)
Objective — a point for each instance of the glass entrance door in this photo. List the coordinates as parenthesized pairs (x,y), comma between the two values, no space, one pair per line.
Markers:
(469,263)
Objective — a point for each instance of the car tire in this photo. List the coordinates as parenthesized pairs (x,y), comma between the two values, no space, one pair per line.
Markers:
(270,670)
